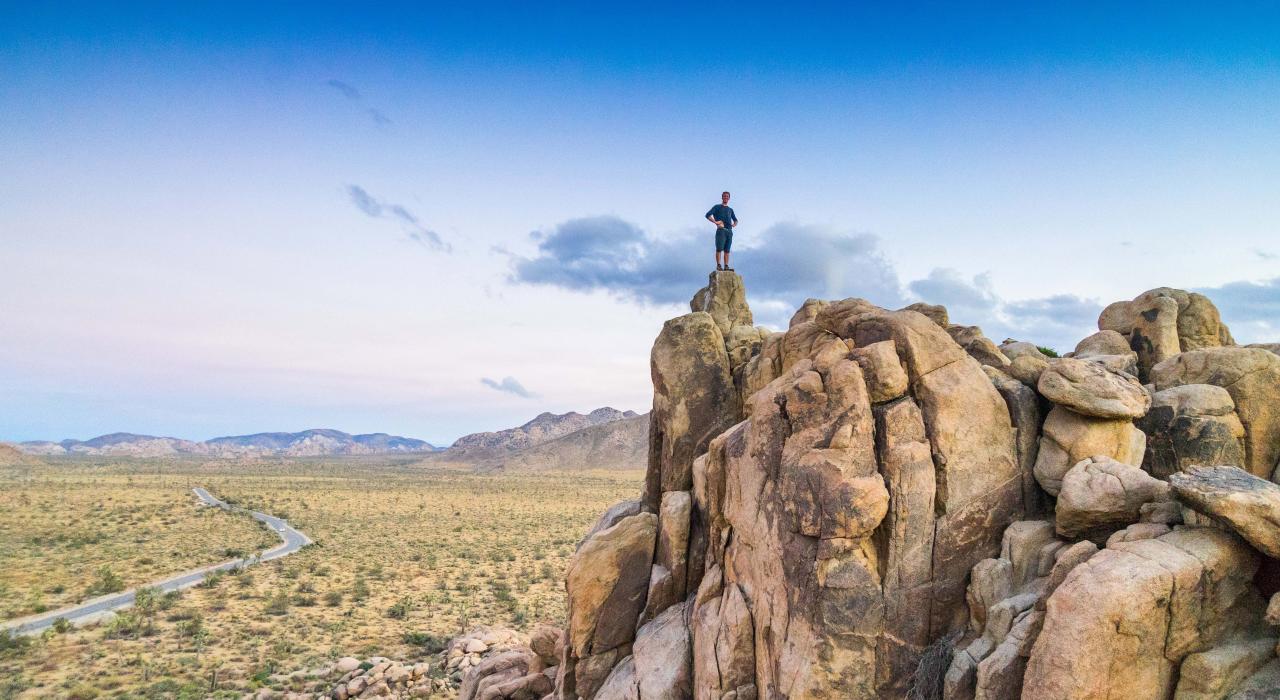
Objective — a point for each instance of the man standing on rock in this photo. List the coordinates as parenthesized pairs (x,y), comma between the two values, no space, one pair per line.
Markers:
(722,216)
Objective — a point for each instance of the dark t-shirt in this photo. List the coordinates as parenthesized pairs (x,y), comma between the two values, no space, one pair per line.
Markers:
(723,214)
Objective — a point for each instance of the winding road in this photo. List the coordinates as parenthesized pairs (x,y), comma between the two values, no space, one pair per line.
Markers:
(291,541)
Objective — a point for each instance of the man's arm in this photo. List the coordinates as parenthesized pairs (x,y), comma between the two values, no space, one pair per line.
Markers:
(711,217)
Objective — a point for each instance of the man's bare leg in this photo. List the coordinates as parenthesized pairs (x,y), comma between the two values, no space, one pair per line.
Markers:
(726,260)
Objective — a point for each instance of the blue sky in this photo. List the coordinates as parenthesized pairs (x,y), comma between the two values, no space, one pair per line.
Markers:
(433,220)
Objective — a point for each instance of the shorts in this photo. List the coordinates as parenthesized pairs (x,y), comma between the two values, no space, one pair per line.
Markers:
(724,240)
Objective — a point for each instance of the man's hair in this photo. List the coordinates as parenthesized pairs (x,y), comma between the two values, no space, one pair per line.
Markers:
(725,192)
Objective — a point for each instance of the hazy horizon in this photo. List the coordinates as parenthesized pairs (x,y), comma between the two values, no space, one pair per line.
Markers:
(434,221)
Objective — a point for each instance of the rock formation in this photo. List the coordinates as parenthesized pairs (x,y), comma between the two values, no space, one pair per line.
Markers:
(863,506)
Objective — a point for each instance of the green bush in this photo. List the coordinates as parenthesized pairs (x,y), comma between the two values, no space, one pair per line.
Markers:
(11,643)
(430,643)
(1047,351)
(106,581)
(400,609)
(278,604)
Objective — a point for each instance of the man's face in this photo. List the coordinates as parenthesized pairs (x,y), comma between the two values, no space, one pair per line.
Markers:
(724,198)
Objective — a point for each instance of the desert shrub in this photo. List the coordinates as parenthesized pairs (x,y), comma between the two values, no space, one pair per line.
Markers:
(13,644)
(106,581)
(1047,351)
(430,643)
(926,681)
(179,614)
(359,589)
(61,625)
(333,598)
(168,600)
(82,691)
(125,624)
(191,627)
(400,609)
(277,604)
(12,685)
(217,601)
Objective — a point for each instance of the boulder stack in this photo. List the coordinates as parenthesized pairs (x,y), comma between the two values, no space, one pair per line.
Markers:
(884,504)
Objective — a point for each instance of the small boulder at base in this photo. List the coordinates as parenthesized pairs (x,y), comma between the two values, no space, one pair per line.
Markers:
(1213,674)
(1124,619)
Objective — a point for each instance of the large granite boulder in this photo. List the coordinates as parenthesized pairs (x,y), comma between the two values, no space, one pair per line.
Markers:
(505,670)
(1123,621)
(979,346)
(1192,424)
(663,656)
(1091,389)
(1252,377)
(1068,437)
(694,400)
(725,298)
(845,518)
(1162,322)
(1101,495)
(607,581)
(1214,674)
(1107,342)
(669,577)
(1245,503)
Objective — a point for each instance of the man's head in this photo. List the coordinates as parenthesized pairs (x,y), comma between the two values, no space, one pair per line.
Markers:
(724,197)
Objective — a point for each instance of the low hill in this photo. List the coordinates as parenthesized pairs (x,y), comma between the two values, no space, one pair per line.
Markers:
(618,445)
(11,456)
(545,427)
(605,438)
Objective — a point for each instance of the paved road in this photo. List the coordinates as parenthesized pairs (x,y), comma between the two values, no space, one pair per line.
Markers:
(291,541)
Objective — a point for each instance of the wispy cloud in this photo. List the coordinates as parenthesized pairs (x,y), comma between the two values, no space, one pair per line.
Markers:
(1264,254)
(409,222)
(783,265)
(352,93)
(349,91)
(509,385)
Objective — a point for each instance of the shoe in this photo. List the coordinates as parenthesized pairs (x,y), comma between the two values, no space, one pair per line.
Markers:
(728,269)
(719,268)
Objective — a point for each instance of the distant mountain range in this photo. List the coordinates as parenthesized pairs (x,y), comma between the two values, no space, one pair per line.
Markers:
(308,443)
(547,426)
(605,438)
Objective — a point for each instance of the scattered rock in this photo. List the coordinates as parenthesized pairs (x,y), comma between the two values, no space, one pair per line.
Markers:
(1104,342)
(1192,424)
(1100,495)
(934,312)
(1252,377)
(1213,674)
(1089,388)
(1248,505)
(1068,437)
